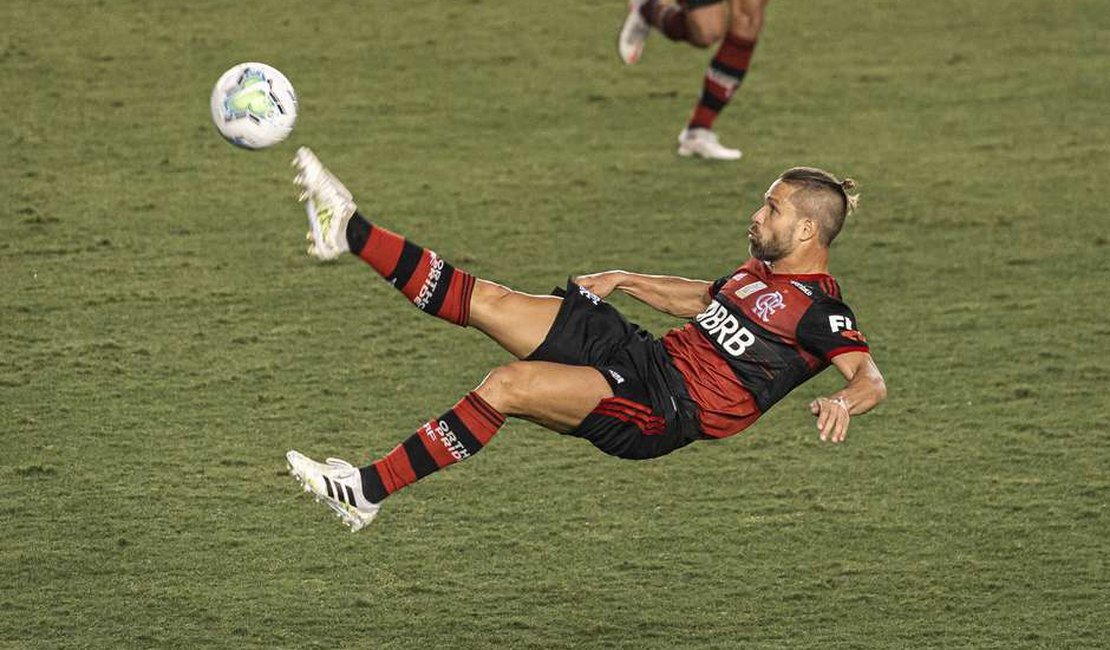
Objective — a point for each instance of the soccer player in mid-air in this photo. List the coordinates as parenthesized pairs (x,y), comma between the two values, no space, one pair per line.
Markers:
(582,369)
(701,23)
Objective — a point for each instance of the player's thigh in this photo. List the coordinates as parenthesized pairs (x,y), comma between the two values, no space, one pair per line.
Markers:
(555,395)
(706,23)
(746,20)
(519,322)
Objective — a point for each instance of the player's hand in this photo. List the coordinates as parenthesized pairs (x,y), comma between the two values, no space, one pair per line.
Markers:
(600,284)
(832,417)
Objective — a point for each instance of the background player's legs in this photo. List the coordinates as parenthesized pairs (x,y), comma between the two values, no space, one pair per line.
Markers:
(701,25)
(730,63)
(554,395)
(698,22)
(707,24)
(746,21)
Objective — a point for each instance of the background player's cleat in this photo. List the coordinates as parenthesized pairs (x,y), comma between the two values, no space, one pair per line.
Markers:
(336,483)
(633,34)
(704,143)
(328,203)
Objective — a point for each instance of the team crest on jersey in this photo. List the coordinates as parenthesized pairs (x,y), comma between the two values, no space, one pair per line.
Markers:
(767,304)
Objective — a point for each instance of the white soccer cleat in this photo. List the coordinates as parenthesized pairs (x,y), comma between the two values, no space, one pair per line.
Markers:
(633,34)
(336,483)
(704,143)
(328,203)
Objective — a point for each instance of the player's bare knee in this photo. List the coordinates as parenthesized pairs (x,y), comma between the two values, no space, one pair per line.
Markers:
(488,294)
(486,300)
(707,25)
(507,388)
(746,26)
(704,36)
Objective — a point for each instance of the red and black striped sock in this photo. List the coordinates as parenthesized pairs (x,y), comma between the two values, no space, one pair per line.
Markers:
(432,284)
(726,72)
(670,19)
(456,435)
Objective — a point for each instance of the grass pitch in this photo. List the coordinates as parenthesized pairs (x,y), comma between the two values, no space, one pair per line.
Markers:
(165,339)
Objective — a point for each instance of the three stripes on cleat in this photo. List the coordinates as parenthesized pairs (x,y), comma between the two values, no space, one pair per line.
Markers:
(346,495)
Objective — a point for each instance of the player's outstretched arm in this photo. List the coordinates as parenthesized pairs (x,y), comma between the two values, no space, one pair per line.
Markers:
(865,389)
(670,294)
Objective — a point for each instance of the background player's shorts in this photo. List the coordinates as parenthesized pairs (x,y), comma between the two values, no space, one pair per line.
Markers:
(650,413)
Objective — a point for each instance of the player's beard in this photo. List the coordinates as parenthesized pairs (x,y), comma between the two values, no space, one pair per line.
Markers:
(768,249)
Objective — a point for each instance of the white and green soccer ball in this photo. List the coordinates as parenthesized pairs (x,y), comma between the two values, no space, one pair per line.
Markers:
(254,106)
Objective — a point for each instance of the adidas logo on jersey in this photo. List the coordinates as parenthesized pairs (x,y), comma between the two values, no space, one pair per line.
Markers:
(801,287)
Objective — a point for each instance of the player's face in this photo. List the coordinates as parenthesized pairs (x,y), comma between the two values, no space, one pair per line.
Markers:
(771,235)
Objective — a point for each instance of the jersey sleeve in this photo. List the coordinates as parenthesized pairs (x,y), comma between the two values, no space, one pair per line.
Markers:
(829,328)
(715,288)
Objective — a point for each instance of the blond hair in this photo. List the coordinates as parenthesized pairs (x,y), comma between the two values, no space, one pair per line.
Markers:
(822,197)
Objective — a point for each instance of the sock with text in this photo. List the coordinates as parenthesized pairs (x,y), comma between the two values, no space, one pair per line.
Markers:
(454,436)
(432,284)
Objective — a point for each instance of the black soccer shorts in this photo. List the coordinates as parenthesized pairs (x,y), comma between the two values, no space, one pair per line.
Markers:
(650,413)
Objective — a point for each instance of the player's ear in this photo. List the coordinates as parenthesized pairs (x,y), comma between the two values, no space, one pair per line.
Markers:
(808,229)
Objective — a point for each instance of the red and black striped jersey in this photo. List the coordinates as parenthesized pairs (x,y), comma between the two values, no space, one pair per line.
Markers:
(762,335)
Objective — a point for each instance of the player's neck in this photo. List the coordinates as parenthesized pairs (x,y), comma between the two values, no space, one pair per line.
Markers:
(802,262)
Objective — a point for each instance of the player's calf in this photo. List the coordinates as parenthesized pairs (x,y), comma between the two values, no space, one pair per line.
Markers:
(432,284)
(425,278)
(454,436)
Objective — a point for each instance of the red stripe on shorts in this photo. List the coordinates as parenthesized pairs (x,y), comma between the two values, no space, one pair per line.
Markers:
(633,413)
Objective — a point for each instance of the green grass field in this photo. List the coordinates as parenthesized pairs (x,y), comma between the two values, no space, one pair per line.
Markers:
(165,339)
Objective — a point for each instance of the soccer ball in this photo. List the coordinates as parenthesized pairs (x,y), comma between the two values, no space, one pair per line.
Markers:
(254,106)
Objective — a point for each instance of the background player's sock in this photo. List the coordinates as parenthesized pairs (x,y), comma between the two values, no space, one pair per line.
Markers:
(456,435)
(670,19)
(432,284)
(726,71)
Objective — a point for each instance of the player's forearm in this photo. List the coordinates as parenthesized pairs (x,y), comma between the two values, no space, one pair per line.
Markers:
(865,391)
(671,294)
